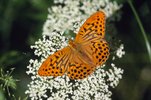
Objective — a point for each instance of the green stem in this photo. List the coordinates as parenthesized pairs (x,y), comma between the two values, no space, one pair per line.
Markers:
(142,29)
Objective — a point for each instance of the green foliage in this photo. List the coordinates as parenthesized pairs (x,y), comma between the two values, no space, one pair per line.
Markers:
(1,94)
(7,81)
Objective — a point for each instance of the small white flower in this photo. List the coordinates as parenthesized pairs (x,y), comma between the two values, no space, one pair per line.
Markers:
(120,51)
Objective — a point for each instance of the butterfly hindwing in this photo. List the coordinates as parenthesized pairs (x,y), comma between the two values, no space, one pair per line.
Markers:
(98,49)
(78,69)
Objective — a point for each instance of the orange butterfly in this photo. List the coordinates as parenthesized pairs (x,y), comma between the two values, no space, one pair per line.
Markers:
(82,56)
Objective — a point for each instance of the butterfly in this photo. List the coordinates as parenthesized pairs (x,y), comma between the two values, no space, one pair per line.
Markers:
(83,55)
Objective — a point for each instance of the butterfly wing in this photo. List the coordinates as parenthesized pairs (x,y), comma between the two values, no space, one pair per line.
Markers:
(93,27)
(98,49)
(56,64)
(91,37)
(78,69)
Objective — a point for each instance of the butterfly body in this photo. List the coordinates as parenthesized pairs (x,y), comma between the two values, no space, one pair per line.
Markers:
(81,57)
(77,48)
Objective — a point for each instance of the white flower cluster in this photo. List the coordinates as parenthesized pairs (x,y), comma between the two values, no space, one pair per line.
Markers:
(62,88)
(65,16)
(49,45)
(70,12)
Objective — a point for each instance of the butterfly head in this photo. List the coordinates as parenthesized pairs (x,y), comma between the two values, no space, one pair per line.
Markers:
(72,43)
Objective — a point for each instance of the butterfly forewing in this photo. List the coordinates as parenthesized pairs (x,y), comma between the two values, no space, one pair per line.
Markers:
(93,27)
(56,64)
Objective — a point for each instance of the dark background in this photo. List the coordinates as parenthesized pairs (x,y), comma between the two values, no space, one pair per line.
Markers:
(21,25)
